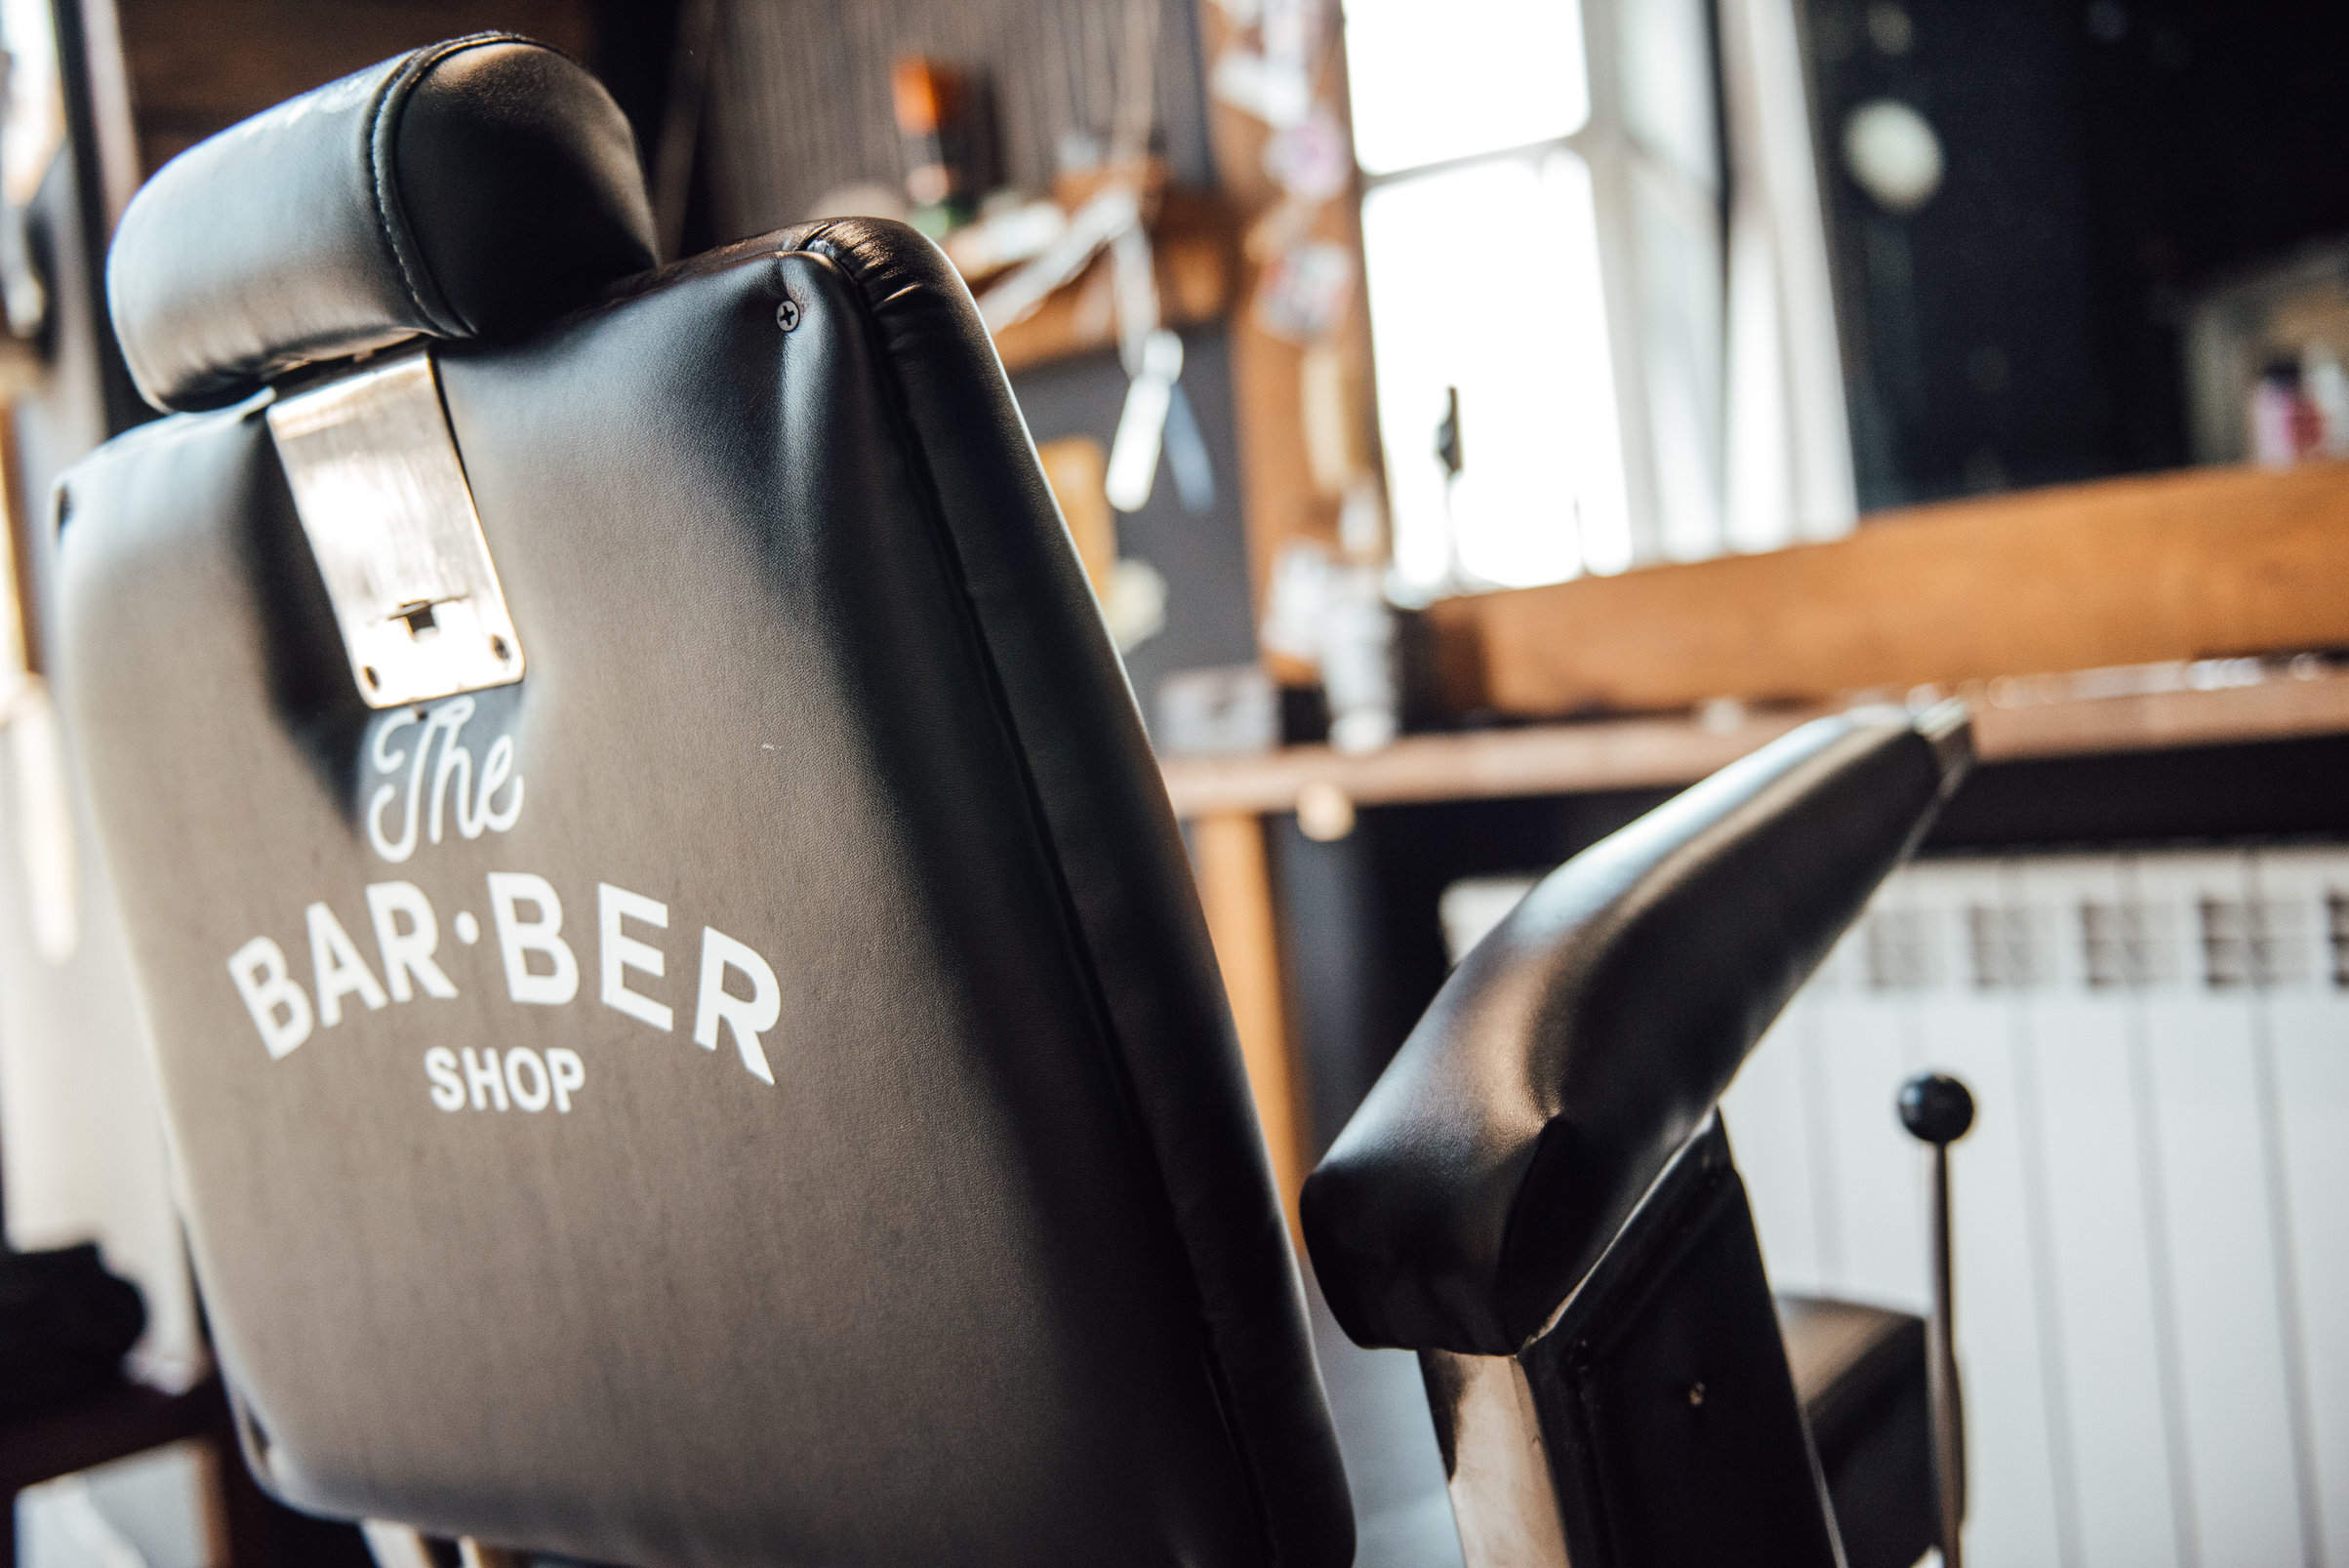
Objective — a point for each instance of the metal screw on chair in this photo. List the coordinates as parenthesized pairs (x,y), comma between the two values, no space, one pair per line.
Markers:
(1938,1109)
(787,314)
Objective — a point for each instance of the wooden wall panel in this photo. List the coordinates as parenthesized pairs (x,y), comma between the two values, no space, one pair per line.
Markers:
(1281,499)
(197,66)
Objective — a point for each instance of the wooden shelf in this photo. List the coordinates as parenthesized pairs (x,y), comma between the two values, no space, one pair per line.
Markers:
(1196,245)
(1646,753)
(2212,562)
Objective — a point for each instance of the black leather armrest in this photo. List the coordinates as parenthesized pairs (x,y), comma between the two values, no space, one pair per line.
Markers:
(1583,1041)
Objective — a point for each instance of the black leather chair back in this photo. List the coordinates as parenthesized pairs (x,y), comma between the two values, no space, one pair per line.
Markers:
(756,1089)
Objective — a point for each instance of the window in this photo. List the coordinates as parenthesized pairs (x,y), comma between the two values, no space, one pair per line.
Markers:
(1432,85)
(1539,494)
(1542,237)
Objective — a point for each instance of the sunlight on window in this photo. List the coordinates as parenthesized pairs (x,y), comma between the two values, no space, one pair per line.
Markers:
(35,121)
(1540,496)
(1432,83)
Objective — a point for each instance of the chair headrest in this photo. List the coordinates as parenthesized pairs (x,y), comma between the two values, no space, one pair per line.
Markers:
(474,189)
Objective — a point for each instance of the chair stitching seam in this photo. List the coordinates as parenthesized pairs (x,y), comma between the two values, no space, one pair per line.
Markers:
(379,175)
(1080,939)
(389,104)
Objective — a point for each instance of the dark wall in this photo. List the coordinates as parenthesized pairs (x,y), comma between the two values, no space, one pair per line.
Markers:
(197,66)
(1204,556)
(799,93)
(2104,161)
(1360,941)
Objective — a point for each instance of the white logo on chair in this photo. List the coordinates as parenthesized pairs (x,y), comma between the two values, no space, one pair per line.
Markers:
(473,797)
(427,778)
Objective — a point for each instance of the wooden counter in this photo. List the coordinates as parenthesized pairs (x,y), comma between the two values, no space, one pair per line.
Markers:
(1644,753)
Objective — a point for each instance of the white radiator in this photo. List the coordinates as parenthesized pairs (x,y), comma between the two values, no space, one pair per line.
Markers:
(2152,1211)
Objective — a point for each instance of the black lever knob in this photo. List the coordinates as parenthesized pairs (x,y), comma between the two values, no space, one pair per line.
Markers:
(1936,1108)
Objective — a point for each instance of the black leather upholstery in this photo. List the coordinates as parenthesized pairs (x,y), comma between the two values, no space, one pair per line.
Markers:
(1667,1409)
(477,188)
(1578,1047)
(1860,1374)
(992,1271)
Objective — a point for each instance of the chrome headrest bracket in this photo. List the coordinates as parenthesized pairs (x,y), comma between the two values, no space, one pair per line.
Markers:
(381,491)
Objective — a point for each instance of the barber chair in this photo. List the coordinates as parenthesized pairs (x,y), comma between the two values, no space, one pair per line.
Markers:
(686,1030)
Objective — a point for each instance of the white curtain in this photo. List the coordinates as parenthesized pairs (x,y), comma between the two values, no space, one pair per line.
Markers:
(1789,477)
